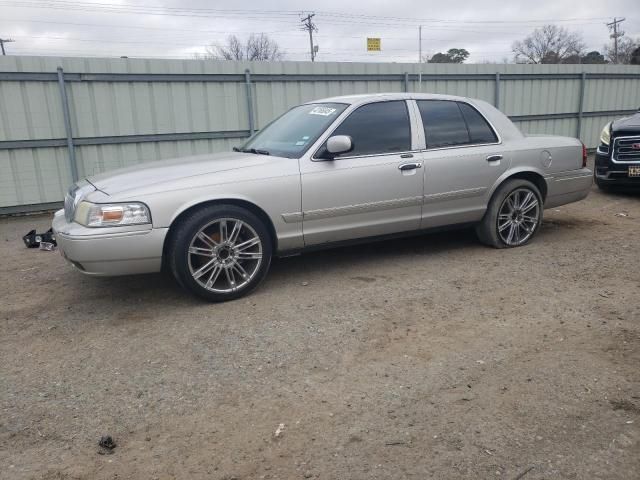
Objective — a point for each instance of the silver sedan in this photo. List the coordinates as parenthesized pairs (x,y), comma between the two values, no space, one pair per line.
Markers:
(337,170)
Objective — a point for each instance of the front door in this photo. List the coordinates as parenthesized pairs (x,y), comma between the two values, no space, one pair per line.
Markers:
(374,189)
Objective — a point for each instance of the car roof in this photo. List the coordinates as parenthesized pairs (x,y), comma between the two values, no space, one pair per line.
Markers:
(372,97)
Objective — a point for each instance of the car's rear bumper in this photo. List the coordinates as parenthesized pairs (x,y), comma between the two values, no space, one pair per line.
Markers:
(111,251)
(568,187)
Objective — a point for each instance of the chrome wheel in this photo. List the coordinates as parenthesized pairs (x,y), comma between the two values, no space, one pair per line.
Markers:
(225,255)
(518,217)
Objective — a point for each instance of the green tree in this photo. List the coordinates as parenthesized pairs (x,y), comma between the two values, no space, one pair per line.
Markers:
(593,57)
(453,55)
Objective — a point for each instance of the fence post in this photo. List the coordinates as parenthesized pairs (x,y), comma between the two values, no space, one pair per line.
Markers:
(496,94)
(247,82)
(67,125)
(583,81)
(406,81)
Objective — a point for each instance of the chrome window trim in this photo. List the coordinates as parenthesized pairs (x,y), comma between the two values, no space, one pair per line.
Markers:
(466,145)
(418,141)
(348,113)
(613,150)
(460,145)
(386,154)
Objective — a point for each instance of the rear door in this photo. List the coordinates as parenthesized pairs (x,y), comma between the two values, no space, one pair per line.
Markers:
(462,160)
(375,189)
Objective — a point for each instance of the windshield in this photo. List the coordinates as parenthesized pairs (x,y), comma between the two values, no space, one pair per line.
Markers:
(294,132)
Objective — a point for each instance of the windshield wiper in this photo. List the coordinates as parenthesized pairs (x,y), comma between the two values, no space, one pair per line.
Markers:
(255,150)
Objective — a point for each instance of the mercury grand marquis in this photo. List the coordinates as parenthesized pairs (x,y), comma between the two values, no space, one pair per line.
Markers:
(330,171)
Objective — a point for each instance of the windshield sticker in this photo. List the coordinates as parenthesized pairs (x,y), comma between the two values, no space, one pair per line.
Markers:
(300,143)
(324,111)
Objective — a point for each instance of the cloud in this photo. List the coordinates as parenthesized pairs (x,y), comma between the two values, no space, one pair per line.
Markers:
(180,29)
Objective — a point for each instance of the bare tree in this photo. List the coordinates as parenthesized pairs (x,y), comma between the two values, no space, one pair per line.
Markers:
(549,44)
(626,46)
(256,48)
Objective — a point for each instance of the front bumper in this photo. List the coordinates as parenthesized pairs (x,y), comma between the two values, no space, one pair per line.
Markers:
(110,251)
(608,172)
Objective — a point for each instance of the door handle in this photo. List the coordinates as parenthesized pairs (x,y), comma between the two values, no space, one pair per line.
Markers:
(494,158)
(409,166)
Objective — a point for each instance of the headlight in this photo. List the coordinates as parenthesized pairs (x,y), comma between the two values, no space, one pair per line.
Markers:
(111,214)
(605,136)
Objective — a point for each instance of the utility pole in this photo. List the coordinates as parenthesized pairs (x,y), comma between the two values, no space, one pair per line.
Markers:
(617,33)
(3,41)
(309,26)
(420,44)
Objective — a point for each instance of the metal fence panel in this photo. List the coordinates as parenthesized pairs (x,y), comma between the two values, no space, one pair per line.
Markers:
(127,111)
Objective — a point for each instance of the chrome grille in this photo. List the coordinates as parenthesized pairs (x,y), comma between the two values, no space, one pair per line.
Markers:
(626,149)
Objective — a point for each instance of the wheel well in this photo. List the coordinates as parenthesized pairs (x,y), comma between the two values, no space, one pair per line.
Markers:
(535,178)
(253,208)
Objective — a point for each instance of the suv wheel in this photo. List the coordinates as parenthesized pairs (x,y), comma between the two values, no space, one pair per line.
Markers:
(220,252)
(513,216)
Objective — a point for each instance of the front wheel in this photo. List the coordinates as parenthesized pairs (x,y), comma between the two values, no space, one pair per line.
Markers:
(220,252)
(604,187)
(514,215)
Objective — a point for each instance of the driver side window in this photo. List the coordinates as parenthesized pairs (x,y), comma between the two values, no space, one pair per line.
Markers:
(376,128)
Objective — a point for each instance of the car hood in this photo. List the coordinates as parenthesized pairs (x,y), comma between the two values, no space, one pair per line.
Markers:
(164,171)
(628,124)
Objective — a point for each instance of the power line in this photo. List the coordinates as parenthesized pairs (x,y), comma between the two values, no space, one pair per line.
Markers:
(274,15)
(3,41)
(615,35)
(310,27)
(339,20)
(137,27)
(191,30)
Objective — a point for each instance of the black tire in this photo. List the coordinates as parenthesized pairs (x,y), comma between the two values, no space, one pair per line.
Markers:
(181,261)
(487,229)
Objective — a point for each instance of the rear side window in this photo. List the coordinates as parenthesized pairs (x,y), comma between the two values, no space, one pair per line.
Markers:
(443,123)
(447,123)
(378,128)
(479,129)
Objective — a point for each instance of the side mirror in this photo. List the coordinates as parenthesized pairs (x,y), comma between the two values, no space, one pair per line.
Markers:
(339,144)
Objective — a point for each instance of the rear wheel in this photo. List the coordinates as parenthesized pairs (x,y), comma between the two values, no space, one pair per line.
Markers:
(220,252)
(514,215)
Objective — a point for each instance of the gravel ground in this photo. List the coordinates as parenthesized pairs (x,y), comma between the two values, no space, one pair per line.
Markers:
(429,357)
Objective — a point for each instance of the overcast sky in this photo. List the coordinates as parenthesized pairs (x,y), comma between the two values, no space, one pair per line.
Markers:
(180,29)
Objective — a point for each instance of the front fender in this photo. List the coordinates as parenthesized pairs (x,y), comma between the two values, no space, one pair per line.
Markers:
(275,197)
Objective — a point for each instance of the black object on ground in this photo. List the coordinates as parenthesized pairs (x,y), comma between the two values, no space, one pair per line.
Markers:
(33,239)
(107,443)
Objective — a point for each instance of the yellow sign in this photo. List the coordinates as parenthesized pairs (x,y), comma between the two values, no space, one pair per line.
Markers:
(373,45)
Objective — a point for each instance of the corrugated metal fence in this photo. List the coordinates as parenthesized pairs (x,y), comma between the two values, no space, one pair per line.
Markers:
(65,118)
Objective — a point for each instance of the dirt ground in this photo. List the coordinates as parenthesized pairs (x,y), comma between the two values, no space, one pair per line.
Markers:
(430,357)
